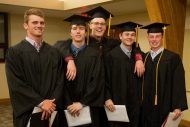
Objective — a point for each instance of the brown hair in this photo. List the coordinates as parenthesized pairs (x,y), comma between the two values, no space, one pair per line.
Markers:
(33,11)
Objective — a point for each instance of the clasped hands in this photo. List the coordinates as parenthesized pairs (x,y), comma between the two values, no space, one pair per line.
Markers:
(48,107)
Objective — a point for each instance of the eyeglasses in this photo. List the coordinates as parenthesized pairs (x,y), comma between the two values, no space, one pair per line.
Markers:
(98,23)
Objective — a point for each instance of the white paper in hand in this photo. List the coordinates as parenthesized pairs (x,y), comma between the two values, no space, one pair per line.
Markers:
(82,119)
(120,114)
(53,115)
(169,122)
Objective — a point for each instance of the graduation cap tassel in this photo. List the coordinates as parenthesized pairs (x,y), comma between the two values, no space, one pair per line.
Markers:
(156,94)
(109,24)
(88,34)
(156,101)
(137,36)
(143,76)
(164,35)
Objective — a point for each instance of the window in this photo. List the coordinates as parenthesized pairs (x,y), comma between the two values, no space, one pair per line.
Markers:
(3,35)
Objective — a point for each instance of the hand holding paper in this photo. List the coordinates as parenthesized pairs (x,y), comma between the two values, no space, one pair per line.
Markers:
(75,108)
(169,122)
(120,114)
(177,113)
(110,105)
(82,119)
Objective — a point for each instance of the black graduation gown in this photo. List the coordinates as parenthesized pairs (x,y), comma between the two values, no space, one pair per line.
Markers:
(104,47)
(171,88)
(107,44)
(88,86)
(122,85)
(32,77)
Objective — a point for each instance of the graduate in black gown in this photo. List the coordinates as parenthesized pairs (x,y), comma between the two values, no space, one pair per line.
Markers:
(87,89)
(123,85)
(99,41)
(163,88)
(34,74)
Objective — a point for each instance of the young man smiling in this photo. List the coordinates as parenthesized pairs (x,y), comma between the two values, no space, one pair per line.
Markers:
(87,88)
(98,40)
(123,86)
(163,89)
(33,73)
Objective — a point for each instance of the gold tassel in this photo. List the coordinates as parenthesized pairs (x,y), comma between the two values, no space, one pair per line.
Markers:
(137,36)
(164,35)
(88,34)
(143,76)
(156,101)
(157,66)
(109,25)
(156,94)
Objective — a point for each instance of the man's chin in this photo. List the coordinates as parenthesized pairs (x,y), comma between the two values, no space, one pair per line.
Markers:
(78,40)
(39,35)
(99,34)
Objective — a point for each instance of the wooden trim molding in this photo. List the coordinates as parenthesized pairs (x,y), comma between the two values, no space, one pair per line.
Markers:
(184,123)
(5,101)
(169,11)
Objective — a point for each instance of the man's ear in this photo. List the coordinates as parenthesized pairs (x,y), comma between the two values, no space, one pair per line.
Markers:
(90,25)
(120,36)
(25,25)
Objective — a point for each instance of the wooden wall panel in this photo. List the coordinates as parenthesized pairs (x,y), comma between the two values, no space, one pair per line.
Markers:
(174,13)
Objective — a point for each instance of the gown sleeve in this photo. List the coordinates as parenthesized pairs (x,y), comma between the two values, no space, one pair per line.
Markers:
(94,94)
(67,55)
(108,65)
(23,96)
(59,89)
(179,99)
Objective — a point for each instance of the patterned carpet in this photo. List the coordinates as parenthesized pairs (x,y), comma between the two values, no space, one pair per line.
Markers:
(6,115)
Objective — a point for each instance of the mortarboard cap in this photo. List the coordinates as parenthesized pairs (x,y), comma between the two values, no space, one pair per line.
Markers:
(78,20)
(99,12)
(155,27)
(128,26)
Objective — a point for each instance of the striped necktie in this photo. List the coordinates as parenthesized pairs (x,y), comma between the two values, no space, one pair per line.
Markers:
(37,46)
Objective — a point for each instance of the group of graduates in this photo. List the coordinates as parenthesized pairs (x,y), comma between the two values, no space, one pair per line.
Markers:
(93,70)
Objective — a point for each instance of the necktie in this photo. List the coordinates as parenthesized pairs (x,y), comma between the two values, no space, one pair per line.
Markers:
(129,54)
(75,53)
(37,46)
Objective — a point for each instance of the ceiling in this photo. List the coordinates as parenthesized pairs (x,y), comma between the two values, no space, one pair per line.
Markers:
(116,7)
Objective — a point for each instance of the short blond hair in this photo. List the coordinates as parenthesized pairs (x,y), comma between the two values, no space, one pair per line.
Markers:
(32,11)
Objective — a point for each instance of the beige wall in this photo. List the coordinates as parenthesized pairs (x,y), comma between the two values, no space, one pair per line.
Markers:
(186,57)
(57,30)
(3,83)
(186,61)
